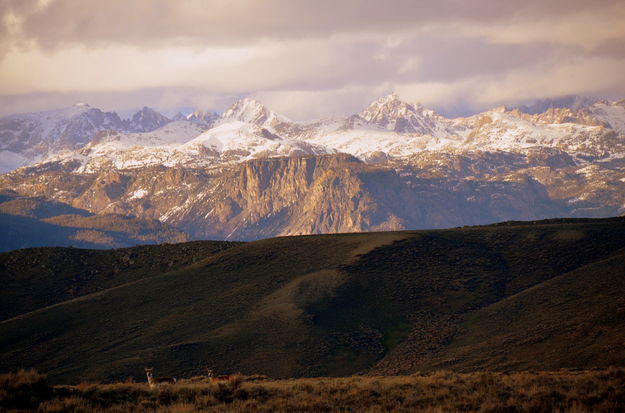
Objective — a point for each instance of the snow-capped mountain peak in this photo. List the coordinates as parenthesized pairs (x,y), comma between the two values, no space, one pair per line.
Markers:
(392,113)
(386,109)
(252,111)
(146,119)
(247,110)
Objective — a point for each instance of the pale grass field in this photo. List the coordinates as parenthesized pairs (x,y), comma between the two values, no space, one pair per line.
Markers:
(558,391)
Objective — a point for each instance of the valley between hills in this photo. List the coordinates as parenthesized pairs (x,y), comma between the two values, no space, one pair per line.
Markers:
(515,296)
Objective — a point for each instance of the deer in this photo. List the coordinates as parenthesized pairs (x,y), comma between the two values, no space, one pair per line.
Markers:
(213,378)
(157,381)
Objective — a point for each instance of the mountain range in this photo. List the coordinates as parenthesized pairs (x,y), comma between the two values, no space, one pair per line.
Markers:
(252,173)
(29,137)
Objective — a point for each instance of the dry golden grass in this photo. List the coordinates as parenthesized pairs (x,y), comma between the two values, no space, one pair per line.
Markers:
(559,391)
(23,390)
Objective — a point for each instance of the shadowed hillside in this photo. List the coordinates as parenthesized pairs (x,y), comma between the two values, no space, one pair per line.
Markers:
(494,297)
(38,277)
(37,222)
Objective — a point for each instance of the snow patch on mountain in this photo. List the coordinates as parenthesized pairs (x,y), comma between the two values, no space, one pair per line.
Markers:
(184,143)
(503,131)
(173,132)
(138,194)
(248,140)
(364,141)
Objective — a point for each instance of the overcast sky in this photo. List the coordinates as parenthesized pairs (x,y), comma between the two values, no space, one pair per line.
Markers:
(307,59)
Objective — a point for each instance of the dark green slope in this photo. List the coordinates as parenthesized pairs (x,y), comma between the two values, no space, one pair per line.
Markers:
(574,320)
(38,277)
(234,310)
(416,292)
(328,305)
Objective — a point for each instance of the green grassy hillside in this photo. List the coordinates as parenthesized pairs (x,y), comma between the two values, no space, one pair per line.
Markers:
(387,303)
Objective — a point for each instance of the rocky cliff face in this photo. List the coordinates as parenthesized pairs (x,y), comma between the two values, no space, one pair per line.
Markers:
(332,193)
(256,199)
(291,196)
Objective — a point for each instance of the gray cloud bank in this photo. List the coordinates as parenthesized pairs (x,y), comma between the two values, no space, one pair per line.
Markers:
(226,22)
(308,58)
